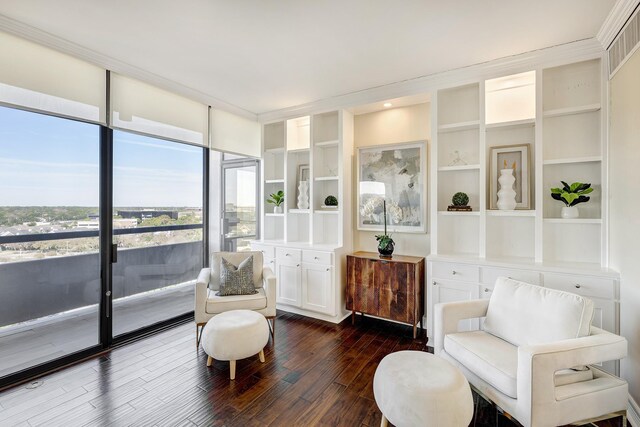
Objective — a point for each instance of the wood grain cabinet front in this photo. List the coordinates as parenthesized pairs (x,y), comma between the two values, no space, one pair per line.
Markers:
(387,288)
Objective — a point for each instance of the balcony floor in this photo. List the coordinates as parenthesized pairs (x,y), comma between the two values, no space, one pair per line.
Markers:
(30,343)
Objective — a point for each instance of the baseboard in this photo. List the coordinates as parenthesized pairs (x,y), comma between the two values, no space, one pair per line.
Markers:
(633,413)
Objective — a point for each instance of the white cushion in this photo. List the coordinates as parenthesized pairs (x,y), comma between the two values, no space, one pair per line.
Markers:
(235,335)
(491,358)
(414,388)
(235,258)
(496,361)
(217,304)
(525,314)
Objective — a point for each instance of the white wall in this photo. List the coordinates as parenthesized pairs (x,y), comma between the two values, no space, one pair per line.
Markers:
(624,174)
(392,126)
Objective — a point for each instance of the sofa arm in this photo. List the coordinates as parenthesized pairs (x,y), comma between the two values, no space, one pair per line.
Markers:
(269,285)
(447,315)
(537,364)
(202,284)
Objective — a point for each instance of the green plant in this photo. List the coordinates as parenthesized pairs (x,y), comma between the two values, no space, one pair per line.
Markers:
(276,198)
(384,239)
(460,199)
(331,201)
(572,194)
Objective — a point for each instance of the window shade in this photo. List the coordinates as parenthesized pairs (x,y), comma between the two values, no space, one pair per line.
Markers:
(235,134)
(43,79)
(141,107)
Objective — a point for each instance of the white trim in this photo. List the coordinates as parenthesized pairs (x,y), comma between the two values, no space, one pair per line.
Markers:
(43,38)
(617,17)
(633,412)
(548,57)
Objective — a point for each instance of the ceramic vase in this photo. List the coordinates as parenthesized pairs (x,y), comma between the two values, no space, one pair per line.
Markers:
(303,195)
(506,194)
(569,212)
(277,209)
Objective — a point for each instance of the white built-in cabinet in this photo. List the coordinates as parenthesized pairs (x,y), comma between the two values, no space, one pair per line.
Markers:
(560,111)
(305,247)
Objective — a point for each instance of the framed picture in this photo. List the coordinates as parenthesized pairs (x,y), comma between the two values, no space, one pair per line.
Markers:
(514,157)
(395,174)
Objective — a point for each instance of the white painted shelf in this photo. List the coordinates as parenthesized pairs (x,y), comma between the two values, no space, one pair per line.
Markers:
(589,108)
(274,181)
(454,127)
(573,220)
(327,143)
(274,150)
(573,160)
(299,150)
(299,211)
(458,168)
(520,213)
(273,214)
(327,212)
(326,178)
(515,123)
(457,213)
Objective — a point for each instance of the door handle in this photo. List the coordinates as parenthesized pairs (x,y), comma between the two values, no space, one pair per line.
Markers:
(114,253)
(108,295)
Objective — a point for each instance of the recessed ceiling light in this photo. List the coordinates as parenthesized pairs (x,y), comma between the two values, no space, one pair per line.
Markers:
(386,105)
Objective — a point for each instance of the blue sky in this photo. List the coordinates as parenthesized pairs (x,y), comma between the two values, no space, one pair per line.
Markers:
(47,161)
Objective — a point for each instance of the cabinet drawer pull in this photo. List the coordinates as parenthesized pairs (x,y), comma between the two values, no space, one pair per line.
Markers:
(270,262)
(487,290)
(453,272)
(328,269)
(316,258)
(297,265)
(434,283)
(384,262)
(578,286)
(287,254)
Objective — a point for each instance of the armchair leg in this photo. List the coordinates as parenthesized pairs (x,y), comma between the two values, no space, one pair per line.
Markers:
(199,329)
(271,321)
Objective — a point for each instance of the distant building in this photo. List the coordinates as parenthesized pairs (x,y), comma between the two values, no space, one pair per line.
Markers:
(146,214)
(91,225)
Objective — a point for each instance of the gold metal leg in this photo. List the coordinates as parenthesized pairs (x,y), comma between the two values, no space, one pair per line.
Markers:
(232,369)
(209,361)
(261,355)
(384,422)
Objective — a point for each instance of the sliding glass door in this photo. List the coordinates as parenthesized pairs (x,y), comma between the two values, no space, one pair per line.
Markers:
(50,283)
(157,227)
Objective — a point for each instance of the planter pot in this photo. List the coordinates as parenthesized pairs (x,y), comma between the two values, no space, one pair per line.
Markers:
(277,209)
(506,195)
(569,212)
(387,250)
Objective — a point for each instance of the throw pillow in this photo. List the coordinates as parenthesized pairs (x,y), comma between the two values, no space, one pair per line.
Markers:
(236,280)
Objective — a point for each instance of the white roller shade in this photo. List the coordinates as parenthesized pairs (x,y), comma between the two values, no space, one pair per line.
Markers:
(43,79)
(235,134)
(145,108)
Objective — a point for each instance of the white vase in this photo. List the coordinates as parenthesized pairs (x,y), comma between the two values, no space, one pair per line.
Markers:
(303,195)
(506,194)
(277,209)
(569,212)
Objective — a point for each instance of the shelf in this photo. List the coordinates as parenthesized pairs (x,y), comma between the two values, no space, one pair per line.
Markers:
(273,214)
(274,150)
(573,220)
(454,127)
(274,181)
(515,123)
(589,108)
(326,178)
(299,211)
(454,213)
(327,212)
(298,150)
(519,213)
(573,160)
(458,168)
(327,143)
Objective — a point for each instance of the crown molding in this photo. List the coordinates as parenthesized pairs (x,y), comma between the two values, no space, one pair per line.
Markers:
(614,22)
(548,57)
(43,38)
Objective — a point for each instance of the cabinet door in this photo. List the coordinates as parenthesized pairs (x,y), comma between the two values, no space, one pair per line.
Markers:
(394,285)
(361,295)
(289,284)
(450,291)
(317,288)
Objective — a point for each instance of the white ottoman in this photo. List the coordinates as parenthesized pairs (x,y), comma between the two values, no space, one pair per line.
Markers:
(235,335)
(414,388)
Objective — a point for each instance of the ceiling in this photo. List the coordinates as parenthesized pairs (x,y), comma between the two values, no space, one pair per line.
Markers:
(263,55)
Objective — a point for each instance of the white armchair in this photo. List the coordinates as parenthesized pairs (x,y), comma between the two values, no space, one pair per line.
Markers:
(534,356)
(208,304)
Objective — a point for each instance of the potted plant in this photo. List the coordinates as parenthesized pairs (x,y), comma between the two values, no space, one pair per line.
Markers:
(276,199)
(571,195)
(385,242)
(331,202)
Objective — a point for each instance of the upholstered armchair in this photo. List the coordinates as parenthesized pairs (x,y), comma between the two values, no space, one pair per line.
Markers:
(208,304)
(535,354)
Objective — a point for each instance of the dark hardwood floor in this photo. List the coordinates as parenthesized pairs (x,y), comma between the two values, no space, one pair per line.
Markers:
(315,374)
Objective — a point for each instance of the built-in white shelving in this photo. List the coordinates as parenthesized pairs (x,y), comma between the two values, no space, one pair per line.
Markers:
(458,168)
(275,215)
(454,127)
(511,124)
(573,160)
(299,211)
(326,178)
(520,213)
(459,213)
(274,181)
(567,111)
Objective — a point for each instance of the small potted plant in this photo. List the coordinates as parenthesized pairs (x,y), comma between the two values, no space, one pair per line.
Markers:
(385,242)
(571,195)
(276,199)
(460,202)
(330,202)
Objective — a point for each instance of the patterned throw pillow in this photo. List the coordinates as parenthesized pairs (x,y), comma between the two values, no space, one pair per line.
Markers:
(236,280)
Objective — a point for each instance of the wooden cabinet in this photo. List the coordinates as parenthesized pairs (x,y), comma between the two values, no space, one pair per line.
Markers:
(387,288)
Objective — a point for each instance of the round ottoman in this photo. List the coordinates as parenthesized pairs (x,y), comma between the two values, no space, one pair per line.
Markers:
(414,388)
(235,335)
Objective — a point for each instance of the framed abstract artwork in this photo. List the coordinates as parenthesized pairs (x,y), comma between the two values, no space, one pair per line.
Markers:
(395,174)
